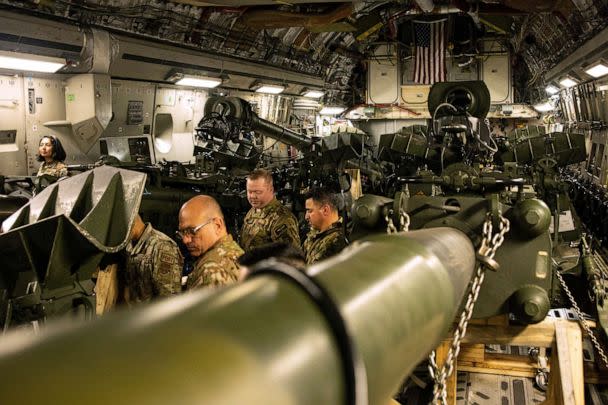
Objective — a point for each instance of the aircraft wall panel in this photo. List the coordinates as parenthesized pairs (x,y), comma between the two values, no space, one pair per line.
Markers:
(186,110)
(496,73)
(51,106)
(383,84)
(12,127)
(132,108)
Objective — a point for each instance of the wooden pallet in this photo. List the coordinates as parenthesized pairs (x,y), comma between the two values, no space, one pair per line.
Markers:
(566,382)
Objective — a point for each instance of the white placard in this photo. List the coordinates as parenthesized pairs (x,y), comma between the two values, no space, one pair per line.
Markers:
(566,222)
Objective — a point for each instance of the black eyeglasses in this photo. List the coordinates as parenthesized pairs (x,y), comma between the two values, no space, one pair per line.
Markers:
(191,232)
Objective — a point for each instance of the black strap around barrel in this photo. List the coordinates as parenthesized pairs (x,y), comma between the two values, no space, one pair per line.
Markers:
(354,371)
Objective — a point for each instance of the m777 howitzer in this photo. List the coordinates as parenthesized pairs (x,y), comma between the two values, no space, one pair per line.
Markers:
(447,172)
(228,122)
(348,332)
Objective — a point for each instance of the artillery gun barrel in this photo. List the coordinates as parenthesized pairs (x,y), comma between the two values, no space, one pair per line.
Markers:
(241,111)
(264,341)
(280,133)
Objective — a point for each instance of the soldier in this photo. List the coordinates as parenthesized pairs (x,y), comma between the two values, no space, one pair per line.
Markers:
(203,231)
(153,266)
(268,220)
(52,155)
(326,237)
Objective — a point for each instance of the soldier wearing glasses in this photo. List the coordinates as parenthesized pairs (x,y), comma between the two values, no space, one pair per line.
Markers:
(203,231)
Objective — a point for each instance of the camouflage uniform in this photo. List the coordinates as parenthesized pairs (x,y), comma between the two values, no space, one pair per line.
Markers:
(321,245)
(217,266)
(153,267)
(55,168)
(273,223)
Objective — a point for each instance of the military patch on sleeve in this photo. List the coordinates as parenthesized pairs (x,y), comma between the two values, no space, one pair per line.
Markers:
(281,229)
(167,260)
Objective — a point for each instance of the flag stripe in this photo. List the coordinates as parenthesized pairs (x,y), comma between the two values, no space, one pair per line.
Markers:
(429,62)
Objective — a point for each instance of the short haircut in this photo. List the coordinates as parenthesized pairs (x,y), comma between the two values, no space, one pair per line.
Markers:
(323,196)
(58,151)
(282,251)
(261,174)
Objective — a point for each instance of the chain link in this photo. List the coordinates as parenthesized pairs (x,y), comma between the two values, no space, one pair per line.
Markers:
(404,221)
(581,319)
(390,226)
(600,290)
(489,244)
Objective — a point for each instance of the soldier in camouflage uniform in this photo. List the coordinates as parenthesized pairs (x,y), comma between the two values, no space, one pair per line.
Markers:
(203,231)
(268,220)
(153,265)
(52,155)
(326,237)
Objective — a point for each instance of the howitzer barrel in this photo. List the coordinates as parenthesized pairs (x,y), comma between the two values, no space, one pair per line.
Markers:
(280,133)
(264,341)
(240,110)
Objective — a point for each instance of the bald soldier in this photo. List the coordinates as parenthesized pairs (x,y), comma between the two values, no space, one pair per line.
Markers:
(203,231)
(268,220)
(326,237)
(153,266)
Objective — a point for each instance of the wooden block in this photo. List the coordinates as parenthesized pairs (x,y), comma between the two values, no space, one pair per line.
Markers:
(540,334)
(570,356)
(106,289)
(470,352)
(505,364)
(356,189)
(566,383)
(498,320)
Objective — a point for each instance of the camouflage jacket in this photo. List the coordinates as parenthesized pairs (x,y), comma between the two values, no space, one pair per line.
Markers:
(217,266)
(273,223)
(153,267)
(55,168)
(321,245)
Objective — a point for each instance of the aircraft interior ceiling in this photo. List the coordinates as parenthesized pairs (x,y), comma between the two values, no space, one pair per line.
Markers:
(331,40)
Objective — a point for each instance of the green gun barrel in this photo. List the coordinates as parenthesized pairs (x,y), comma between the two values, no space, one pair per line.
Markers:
(263,341)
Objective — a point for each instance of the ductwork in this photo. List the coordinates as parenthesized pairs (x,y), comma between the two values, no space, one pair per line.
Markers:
(88,106)
(512,7)
(98,51)
(269,19)
(242,3)
(539,6)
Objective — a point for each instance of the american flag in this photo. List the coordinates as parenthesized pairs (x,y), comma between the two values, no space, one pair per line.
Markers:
(429,65)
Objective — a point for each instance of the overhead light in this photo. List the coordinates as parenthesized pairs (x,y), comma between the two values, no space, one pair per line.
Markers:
(313,93)
(187,79)
(29,62)
(598,69)
(543,107)
(305,103)
(199,81)
(568,82)
(331,110)
(269,88)
(551,89)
